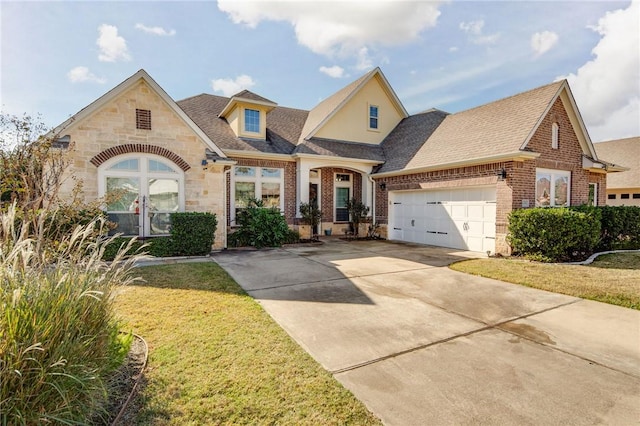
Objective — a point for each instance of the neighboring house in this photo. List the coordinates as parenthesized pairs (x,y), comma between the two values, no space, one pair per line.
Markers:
(623,189)
(431,178)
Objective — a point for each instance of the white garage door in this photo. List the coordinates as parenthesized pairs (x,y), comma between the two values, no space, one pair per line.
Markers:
(459,218)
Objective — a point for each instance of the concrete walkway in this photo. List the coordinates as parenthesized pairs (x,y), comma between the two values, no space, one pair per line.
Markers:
(421,344)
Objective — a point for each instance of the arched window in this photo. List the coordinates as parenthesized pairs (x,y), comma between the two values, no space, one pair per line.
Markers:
(554,135)
(142,191)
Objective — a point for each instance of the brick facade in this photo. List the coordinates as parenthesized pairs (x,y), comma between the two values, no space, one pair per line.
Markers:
(327,193)
(518,189)
(289,184)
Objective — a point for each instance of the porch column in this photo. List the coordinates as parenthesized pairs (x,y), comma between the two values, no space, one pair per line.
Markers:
(302,184)
(367,187)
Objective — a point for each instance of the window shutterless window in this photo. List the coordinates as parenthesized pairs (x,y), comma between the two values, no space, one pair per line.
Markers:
(593,194)
(552,188)
(611,196)
(373,117)
(342,190)
(262,183)
(142,191)
(624,196)
(252,120)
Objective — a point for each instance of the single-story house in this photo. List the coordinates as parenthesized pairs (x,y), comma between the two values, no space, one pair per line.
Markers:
(433,178)
(623,189)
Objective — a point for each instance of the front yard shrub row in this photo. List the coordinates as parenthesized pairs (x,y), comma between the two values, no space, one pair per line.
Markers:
(553,234)
(620,227)
(192,234)
(59,340)
(561,234)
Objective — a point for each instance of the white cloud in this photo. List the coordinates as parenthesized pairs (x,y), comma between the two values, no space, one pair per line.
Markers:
(453,49)
(472,27)
(543,42)
(476,35)
(159,31)
(340,28)
(82,74)
(112,46)
(364,62)
(606,88)
(334,71)
(230,87)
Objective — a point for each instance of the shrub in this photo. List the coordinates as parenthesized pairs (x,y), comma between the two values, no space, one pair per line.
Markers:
(192,234)
(58,336)
(311,215)
(357,214)
(620,228)
(260,227)
(553,234)
(292,237)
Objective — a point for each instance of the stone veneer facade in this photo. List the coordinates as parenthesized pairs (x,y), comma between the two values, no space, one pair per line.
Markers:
(111,130)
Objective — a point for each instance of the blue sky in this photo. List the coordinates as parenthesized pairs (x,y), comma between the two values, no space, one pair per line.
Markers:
(57,57)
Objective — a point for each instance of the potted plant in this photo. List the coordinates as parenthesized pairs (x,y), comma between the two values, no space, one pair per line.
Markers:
(357,214)
(311,215)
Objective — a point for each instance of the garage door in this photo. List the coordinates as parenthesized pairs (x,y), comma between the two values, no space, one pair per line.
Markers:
(458,218)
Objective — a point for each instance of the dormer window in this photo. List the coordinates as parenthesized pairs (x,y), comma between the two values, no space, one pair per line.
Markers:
(554,135)
(373,117)
(252,120)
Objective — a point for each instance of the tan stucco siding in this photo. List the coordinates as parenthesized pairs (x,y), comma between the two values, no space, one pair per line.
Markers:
(351,122)
(619,201)
(114,124)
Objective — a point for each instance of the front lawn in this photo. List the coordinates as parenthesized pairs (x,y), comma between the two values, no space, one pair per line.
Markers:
(613,278)
(216,357)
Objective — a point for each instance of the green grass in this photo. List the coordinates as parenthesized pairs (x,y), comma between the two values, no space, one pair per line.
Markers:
(216,357)
(613,278)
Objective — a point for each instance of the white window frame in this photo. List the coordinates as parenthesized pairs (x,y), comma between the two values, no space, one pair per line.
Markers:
(552,196)
(595,192)
(244,120)
(257,181)
(555,135)
(369,117)
(341,184)
(143,175)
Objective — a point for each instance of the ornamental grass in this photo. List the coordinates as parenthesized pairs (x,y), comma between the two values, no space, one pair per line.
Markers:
(59,339)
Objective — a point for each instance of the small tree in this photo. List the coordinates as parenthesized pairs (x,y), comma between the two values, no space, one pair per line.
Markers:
(312,215)
(357,214)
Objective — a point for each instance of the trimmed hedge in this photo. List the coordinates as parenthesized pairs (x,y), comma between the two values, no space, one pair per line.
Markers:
(553,234)
(192,234)
(557,234)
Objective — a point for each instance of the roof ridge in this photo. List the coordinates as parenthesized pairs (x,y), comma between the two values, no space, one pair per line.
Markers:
(539,88)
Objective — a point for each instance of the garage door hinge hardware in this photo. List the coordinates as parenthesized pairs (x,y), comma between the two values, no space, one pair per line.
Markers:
(397,203)
(443,233)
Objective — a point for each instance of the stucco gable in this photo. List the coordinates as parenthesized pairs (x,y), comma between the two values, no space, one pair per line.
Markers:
(335,118)
(141,80)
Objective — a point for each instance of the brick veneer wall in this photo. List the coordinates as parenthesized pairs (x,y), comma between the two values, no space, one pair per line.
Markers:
(289,184)
(327,190)
(520,183)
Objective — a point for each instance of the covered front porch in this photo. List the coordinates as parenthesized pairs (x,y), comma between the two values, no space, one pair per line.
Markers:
(330,183)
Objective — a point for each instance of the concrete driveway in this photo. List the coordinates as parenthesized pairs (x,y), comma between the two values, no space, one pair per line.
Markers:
(421,344)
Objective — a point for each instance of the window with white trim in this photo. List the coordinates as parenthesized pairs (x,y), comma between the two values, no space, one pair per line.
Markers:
(593,194)
(555,135)
(342,190)
(262,183)
(373,117)
(553,188)
(142,191)
(251,120)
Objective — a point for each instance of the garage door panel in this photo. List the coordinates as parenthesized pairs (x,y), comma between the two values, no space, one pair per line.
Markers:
(461,218)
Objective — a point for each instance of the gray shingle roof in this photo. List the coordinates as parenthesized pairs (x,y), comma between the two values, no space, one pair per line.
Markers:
(623,152)
(283,125)
(495,128)
(406,139)
(334,148)
(247,94)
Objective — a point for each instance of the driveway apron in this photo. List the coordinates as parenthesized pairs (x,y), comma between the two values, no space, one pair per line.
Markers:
(421,344)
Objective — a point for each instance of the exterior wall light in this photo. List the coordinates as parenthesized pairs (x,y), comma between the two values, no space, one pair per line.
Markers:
(502,174)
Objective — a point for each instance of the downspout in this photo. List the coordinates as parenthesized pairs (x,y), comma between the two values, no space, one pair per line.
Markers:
(227,176)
